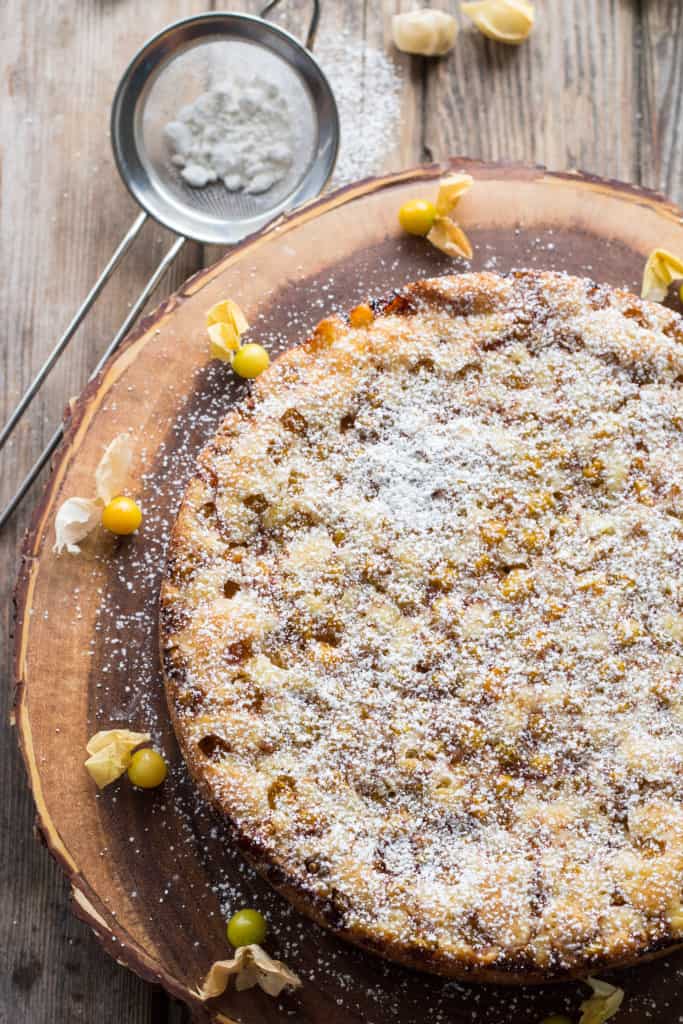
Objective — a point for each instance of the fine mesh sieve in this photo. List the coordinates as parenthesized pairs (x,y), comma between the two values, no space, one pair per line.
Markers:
(170,71)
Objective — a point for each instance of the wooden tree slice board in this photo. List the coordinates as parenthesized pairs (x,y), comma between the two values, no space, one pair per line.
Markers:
(153,873)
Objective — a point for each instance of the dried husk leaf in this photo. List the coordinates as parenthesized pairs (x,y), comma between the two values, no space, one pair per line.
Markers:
(228,312)
(250,966)
(76,518)
(505,21)
(451,188)
(447,236)
(225,322)
(110,752)
(661,269)
(113,468)
(426,32)
(224,341)
(603,1004)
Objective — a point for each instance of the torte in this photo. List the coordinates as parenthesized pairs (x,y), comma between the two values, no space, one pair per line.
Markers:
(422,626)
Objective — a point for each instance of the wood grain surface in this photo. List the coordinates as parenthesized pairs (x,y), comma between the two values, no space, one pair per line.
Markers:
(598,87)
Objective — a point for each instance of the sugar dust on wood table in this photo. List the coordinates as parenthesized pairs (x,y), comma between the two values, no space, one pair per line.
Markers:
(597,87)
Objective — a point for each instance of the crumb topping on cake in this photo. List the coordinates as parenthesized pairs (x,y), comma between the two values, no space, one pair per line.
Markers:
(423,625)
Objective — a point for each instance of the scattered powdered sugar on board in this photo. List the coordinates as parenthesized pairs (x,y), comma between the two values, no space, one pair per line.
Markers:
(367,86)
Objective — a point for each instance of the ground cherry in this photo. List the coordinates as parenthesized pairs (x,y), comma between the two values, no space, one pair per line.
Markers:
(417,216)
(147,769)
(246,928)
(361,316)
(250,360)
(122,515)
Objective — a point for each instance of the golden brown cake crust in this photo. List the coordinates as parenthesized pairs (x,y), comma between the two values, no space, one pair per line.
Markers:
(422,627)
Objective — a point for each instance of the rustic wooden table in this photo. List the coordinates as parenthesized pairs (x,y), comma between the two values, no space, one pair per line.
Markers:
(598,87)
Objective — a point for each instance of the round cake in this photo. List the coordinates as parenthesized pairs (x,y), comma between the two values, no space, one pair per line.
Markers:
(422,626)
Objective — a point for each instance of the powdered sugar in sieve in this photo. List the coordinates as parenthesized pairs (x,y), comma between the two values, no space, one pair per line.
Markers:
(239,132)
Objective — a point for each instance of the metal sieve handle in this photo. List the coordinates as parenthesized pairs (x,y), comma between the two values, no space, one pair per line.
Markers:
(93,294)
(312,27)
(76,321)
(133,314)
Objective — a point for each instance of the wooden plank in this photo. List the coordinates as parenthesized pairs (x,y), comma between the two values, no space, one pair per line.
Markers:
(660,65)
(565,98)
(63,211)
(78,209)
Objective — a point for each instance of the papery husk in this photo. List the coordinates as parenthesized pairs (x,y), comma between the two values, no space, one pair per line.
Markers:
(250,966)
